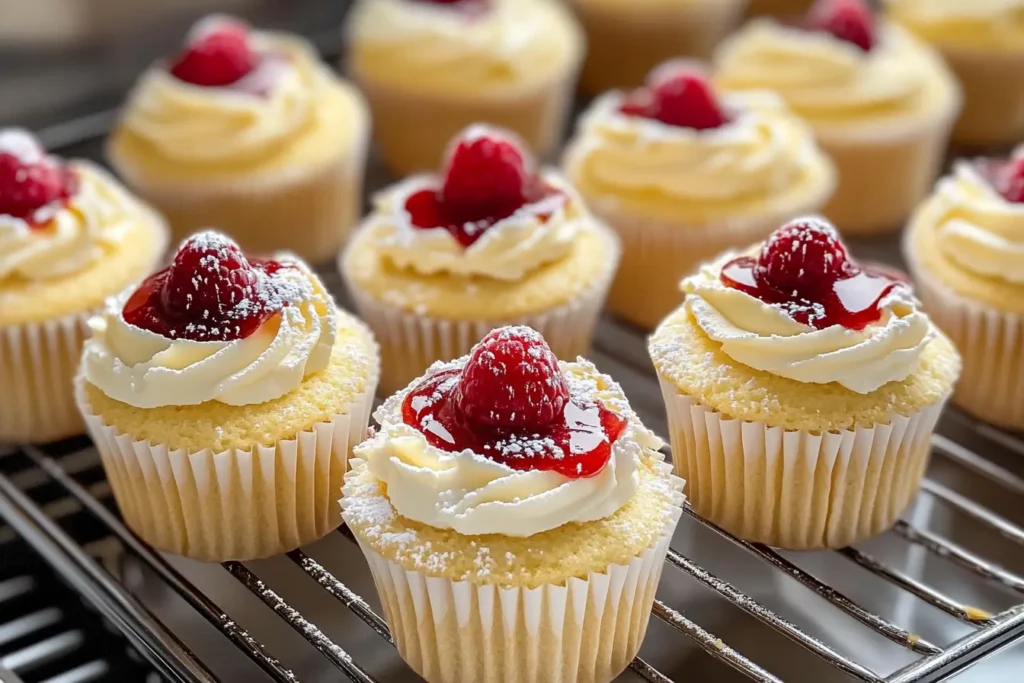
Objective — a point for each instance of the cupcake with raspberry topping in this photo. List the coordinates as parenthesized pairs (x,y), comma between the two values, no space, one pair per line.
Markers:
(682,173)
(506,483)
(445,258)
(965,249)
(881,102)
(248,131)
(802,390)
(70,236)
(430,68)
(224,395)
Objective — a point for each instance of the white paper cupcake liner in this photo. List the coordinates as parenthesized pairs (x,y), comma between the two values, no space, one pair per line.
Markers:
(991,342)
(233,504)
(798,489)
(585,630)
(38,363)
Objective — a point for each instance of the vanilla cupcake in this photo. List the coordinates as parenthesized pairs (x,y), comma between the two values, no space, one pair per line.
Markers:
(515,515)
(965,250)
(445,258)
(683,174)
(880,101)
(802,391)
(70,236)
(982,41)
(430,68)
(248,131)
(625,40)
(224,395)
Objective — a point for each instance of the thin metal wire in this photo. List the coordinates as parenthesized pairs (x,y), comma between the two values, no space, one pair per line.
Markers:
(1006,528)
(647,672)
(327,647)
(8,676)
(958,555)
(977,463)
(199,602)
(756,609)
(876,623)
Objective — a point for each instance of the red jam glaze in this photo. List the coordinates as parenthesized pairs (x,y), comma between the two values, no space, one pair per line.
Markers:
(850,20)
(677,95)
(34,192)
(803,269)
(512,404)
(216,58)
(211,292)
(486,180)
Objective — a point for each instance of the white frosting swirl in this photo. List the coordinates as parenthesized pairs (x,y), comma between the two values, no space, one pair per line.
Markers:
(147,370)
(536,234)
(766,338)
(473,495)
(978,229)
(75,235)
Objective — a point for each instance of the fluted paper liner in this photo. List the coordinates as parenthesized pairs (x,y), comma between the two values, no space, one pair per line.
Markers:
(991,385)
(586,630)
(797,489)
(38,363)
(233,504)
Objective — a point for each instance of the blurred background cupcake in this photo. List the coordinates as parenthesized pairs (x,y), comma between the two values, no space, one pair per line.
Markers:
(880,101)
(430,68)
(249,131)
(625,40)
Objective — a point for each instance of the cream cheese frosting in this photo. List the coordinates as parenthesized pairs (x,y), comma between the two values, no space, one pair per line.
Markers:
(444,47)
(250,118)
(89,225)
(978,229)
(472,495)
(985,23)
(762,152)
(828,80)
(536,234)
(147,370)
(767,338)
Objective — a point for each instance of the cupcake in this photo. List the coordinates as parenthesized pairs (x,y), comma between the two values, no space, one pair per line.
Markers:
(880,101)
(983,43)
(224,395)
(965,250)
(430,68)
(445,258)
(625,40)
(248,131)
(802,390)
(682,174)
(515,515)
(70,236)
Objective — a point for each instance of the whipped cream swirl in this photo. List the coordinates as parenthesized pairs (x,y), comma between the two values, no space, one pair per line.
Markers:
(245,120)
(77,233)
(537,233)
(767,338)
(448,47)
(977,228)
(825,79)
(147,370)
(765,150)
(473,495)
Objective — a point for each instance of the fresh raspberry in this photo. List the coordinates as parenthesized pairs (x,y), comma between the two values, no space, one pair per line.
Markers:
(27,186)
(485,169)
(209,279)
(804,256)
(512,379)
(216,57)
(849,20)
(1010,180)
(677,95)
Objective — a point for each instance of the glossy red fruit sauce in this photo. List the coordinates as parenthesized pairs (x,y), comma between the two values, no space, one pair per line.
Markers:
(33,185)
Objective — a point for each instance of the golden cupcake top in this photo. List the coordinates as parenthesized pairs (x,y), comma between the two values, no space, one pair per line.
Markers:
(462,46)
(232,94)
(57,217)
(213,326)
(507,441)
(678,144)
(990,25)
(801,308)
(839,64)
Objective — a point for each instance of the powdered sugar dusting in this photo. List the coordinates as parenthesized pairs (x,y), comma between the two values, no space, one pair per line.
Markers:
(19,143)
